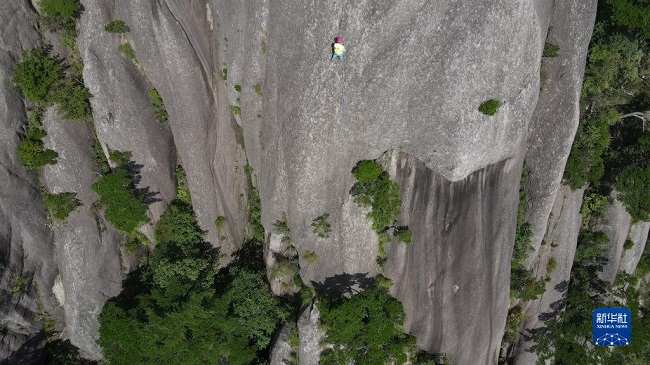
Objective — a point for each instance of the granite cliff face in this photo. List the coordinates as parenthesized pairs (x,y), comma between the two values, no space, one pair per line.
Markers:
(407,94)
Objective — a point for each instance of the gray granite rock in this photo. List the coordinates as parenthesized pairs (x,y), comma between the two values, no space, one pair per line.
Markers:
(87,247)
(124,118)
(562,232)
(26,250)
(557,112)
(173,43)
(453,279)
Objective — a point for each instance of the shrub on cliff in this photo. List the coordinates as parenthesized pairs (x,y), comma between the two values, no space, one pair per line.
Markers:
(37,74)
(30,150)
(489,107)
(124,209)
(116,26)
(633,185)
(60,205)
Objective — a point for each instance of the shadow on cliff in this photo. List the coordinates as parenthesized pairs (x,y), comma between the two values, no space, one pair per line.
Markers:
(31,352)
(149,196)
(344,284)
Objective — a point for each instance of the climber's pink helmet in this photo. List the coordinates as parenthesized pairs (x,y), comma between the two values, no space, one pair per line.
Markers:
(339,40)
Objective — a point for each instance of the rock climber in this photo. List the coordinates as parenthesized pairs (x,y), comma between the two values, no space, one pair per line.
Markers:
(338,49)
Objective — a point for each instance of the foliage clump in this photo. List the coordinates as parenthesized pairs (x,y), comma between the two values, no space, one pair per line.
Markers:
(158,106)
(60,16)
(522,283)
(179,309)
(41,78)
(551,50)
(125,209)
(60,205)
(116,26)
(566,332)
(321,226)
(365,329)
(31,152)
(37,74)
(127,51)
(490,107)
(254,207)
(634,187)
(374,189)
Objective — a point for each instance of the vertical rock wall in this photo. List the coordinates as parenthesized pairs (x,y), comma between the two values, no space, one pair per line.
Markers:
(619,227)
(560,245)
(87,247)
(557,112)
(174,45)
(26,248)
(454,278)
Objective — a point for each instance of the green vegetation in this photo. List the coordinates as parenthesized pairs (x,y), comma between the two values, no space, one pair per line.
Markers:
(116,26)
(37,74)
(124,208)
(61,8)
(375,190)
(552,264)
(258,89)
(365,329)
(60,16)
(41,78)
(609,150)
(282,228)
(182,190)
(238,88)
(180,309)
(515,316)
(633,185)
(404,235)
(224,74)
(633,14)
(158,106)
(72,97)
(254,207)
(126,50)
(235,109)
(551,50)
(564,338)
(219,222)
(489,107)
(628,244)
(22,283)
(522,282)
(30,150)
(60,205)
(321,226)
(310,256)
(594,205)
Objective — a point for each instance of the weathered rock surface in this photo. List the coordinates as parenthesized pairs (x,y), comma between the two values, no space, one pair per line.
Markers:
(124,119)
(453,279)
(204,130)
(26,248)
(562,232)
(280,348)
(557,112)
(87,247)
(415,73)
(310,336)
(618,226)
